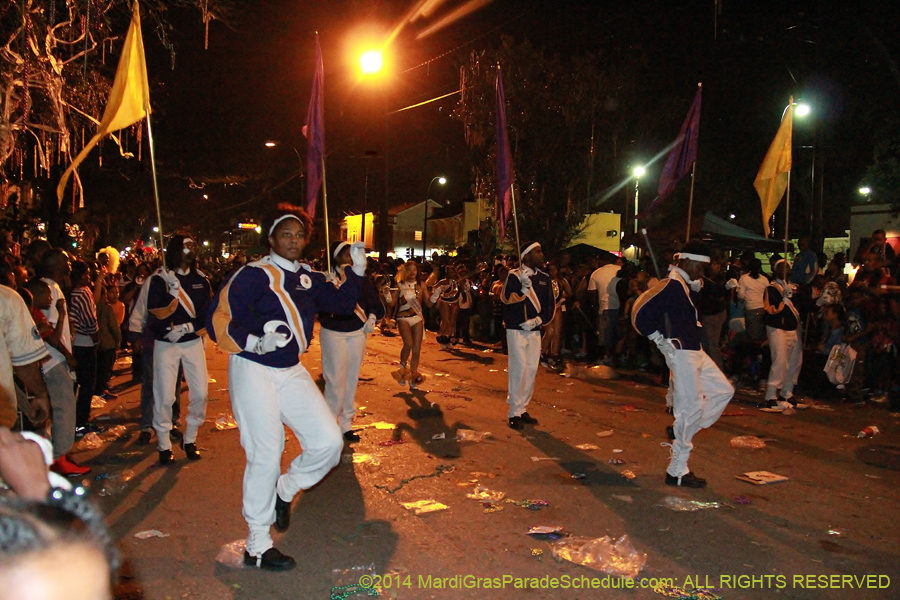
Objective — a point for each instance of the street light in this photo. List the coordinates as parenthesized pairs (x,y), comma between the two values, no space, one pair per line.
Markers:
(371,62)
(865,191)
(441,180)
(802,110)
(638,173)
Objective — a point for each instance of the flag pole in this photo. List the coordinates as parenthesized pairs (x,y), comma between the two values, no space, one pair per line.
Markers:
(155,185)
(687,233)
(325,209)
(787,215)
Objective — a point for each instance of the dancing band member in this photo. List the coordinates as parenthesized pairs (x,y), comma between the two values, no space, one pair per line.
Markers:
(263,316)
(527,303)
(178,300)
(667,315)
(343,339)
(782,322)
(447,294)
(410,322)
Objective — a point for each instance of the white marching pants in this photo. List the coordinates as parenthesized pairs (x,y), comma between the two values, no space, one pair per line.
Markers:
(264,399)
(524,358)
(787,358)
(342,358)
(701,393)
(166,358)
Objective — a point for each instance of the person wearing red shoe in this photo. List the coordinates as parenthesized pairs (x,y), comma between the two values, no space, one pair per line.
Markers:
(263,317)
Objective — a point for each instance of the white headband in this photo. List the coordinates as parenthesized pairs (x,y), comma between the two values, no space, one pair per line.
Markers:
(340,247)
(280,219)
(529,249)
(689,256)
(779,261)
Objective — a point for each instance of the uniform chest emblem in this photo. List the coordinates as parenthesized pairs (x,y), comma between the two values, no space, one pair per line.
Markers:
(305,281)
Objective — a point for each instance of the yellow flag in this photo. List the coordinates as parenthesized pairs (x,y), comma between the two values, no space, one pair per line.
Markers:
(772,179)
(129,99)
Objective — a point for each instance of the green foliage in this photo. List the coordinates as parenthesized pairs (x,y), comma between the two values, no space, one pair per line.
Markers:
(554,107)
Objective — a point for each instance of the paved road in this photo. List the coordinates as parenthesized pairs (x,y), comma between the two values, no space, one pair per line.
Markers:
(836,516)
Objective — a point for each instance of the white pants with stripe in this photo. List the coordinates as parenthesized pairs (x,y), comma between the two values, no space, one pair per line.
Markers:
(166,358)
(524,358)
(264,399)
(342,358)
(701,393)
(787,358)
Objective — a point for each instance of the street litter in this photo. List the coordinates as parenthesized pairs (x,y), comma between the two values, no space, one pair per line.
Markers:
(616,461)
(351,582)
(482,474)
(489,508)
(741,500)
(469,435)
(542,458)
(115,484)
(537,552)
(588,447)
(687,593)
(684,505)
(438,470)
(750,442)
(232,554)
(150,533)
(617,450)
(211,380)
(761,477)
(390,442)
(545,532)
(114,433)
(615,557)
(579,475)
(628,474)
(623,497)
(224,422)
(381,425)
(97,402)
(603,434)
(90,441)
(364,458)
(422,507)
(439,436)
(835,532)
(529,504)
(869,432)
(485,495)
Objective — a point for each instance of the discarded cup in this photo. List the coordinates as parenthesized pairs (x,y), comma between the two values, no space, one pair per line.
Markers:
(869,432)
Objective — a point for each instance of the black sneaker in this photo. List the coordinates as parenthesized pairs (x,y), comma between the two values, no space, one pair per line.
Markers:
(282,514)
(772,403)
(191,451)
(350,436)
(271,560)
(144,438)
(516,423)
(670,431)
(175,434)
(690,480)
(166,457)
(528,419)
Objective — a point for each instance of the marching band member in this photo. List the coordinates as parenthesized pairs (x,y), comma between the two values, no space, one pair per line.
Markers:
(343,339)
(527,303)
(782,322)
(447,294)
(178,300)
(667,315)
(408,297)
(263,316)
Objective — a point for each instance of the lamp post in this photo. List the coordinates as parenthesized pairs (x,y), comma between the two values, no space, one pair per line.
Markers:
(371,66)
(441,180)
(638,173)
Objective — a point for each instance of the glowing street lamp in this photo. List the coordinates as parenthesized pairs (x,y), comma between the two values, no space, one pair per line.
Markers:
(801,110)
(371,62)
(441,180)
(638,173)
(865,191)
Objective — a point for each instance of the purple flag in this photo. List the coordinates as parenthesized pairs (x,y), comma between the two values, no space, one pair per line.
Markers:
(504,168)
(681,158)
(314,131)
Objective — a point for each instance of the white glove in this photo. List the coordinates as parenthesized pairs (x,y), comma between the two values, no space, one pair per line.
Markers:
(731,284)
(531,324)
(369,325)
(525,281)
(270,342)
(664,344)
(171,281)
(331,278)
(436,293)
(176,332)
(358,255)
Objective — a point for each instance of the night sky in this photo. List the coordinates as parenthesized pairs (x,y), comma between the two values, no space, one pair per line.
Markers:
(214,112)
